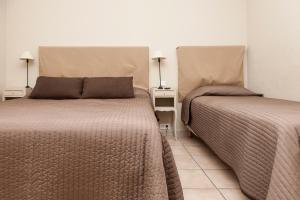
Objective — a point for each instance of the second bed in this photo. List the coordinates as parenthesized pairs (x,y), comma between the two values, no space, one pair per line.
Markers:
(258,137)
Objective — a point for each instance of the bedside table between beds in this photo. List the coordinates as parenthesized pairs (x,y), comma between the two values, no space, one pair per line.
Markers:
(164,100)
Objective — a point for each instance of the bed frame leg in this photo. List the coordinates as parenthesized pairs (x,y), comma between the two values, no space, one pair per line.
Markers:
(190,132)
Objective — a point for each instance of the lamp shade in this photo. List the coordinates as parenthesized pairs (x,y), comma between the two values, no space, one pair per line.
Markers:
(158,55)
(26,55)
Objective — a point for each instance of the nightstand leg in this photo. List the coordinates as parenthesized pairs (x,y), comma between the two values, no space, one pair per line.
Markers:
(174,124)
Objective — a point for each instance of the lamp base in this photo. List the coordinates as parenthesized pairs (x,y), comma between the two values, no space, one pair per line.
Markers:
(160,87)
(27,86)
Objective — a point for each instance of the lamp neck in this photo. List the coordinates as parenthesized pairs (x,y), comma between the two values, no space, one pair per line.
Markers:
(27,61)
(160,86)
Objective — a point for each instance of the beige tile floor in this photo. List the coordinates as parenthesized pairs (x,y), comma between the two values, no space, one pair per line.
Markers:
(203,175)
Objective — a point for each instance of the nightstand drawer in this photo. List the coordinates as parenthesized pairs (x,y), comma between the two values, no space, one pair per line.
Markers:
(164,93)
(13,93)
(17,93)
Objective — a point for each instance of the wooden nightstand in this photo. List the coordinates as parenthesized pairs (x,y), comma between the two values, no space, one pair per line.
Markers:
(13,93)
(165,101)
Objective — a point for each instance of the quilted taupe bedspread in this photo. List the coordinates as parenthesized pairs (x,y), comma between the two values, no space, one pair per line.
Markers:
(84,150)
(257,137)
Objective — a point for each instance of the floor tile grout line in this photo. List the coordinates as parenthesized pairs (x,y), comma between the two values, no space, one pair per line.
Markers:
(192,157)
(201,168)
(218,170)
(204,172)
(216,186)
(222,194)
(204,188)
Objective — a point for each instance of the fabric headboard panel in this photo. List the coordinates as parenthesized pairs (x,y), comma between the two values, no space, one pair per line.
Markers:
(209,65)
(96,62)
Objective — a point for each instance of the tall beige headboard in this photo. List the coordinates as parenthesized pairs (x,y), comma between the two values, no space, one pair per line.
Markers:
(96,62)
(209,65)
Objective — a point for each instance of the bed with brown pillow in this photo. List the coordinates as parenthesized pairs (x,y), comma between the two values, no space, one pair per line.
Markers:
(84,149)
(86,138)
(258,137)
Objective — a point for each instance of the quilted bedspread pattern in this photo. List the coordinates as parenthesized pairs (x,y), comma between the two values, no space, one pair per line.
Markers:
(257,137)
(84,150)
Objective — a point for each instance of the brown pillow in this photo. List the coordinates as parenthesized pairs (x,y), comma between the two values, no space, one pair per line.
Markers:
(57,88)
(108,88)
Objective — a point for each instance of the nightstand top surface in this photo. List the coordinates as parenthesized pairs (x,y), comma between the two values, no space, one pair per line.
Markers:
(156,89)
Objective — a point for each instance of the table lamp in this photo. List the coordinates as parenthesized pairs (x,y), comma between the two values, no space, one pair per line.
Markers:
(28,57)
(158,55)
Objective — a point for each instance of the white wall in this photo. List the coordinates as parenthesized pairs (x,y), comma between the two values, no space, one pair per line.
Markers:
(274,48)
(158,24)
(2,43)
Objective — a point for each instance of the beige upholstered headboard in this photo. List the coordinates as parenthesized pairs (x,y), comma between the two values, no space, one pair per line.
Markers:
(96,62)
(209,65)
